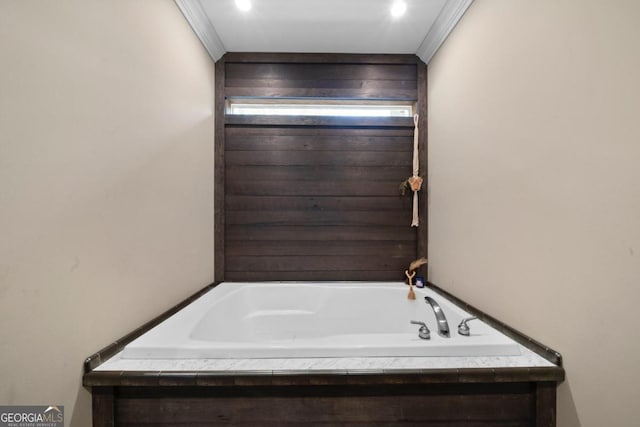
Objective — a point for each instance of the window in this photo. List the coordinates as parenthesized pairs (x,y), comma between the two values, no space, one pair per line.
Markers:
(317,107)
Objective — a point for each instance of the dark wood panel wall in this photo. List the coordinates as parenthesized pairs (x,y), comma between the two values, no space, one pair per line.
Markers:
(317,198)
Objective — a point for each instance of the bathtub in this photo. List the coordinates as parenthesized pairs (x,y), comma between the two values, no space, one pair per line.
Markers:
(323,319)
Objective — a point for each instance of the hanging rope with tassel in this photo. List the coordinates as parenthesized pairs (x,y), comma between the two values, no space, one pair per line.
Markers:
(415,182)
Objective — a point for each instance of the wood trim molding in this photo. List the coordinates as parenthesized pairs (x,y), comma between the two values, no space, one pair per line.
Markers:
(367,377)
(115,347)
(423,135)
(195,14)
(320,58)
(533,345)
(444,24)
(218,164)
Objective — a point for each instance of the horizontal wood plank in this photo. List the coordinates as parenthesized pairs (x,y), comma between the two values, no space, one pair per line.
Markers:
(258,187)
(319,121)
(337,132)
(362,410)
(318,218)
(312,72)
(275,203)
(321,158)
(319,58)
(315,263)
(395,174)
(249,232)
(285,423)
(345,142)
(370,93)
(323,58)
(312,247)
(324,275)
(367,276)
(360,84)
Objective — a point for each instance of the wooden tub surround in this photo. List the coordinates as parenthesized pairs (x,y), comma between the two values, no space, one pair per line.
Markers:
(494,396)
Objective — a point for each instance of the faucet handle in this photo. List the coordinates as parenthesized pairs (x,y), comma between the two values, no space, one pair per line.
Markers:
(423,332)
(463,328)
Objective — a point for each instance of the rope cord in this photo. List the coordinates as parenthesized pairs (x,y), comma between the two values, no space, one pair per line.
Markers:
(415,181)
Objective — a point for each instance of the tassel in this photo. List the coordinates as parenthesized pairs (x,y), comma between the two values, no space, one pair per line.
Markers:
(411,295)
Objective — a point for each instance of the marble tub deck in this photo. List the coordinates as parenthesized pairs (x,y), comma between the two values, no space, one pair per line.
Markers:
(527,359)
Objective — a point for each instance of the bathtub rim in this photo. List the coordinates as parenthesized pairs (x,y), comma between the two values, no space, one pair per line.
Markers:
(510,374)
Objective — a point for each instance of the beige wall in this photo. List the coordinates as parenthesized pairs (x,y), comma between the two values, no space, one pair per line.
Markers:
(534,163)
(106,184)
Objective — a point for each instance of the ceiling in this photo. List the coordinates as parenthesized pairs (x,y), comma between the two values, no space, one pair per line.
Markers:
(326,26)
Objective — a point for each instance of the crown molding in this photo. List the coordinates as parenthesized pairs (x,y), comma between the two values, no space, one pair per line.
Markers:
(449,16)
(199,22)
(446,21)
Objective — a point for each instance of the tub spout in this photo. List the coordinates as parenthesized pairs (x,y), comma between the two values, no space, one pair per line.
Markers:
(443,325)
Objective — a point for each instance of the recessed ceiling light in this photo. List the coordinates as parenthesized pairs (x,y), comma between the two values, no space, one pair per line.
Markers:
(243,5)
(398,9)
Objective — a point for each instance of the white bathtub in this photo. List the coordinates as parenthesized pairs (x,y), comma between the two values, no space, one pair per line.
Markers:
(325,319)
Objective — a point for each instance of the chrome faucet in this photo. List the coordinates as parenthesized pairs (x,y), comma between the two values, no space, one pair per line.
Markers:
(443,325)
